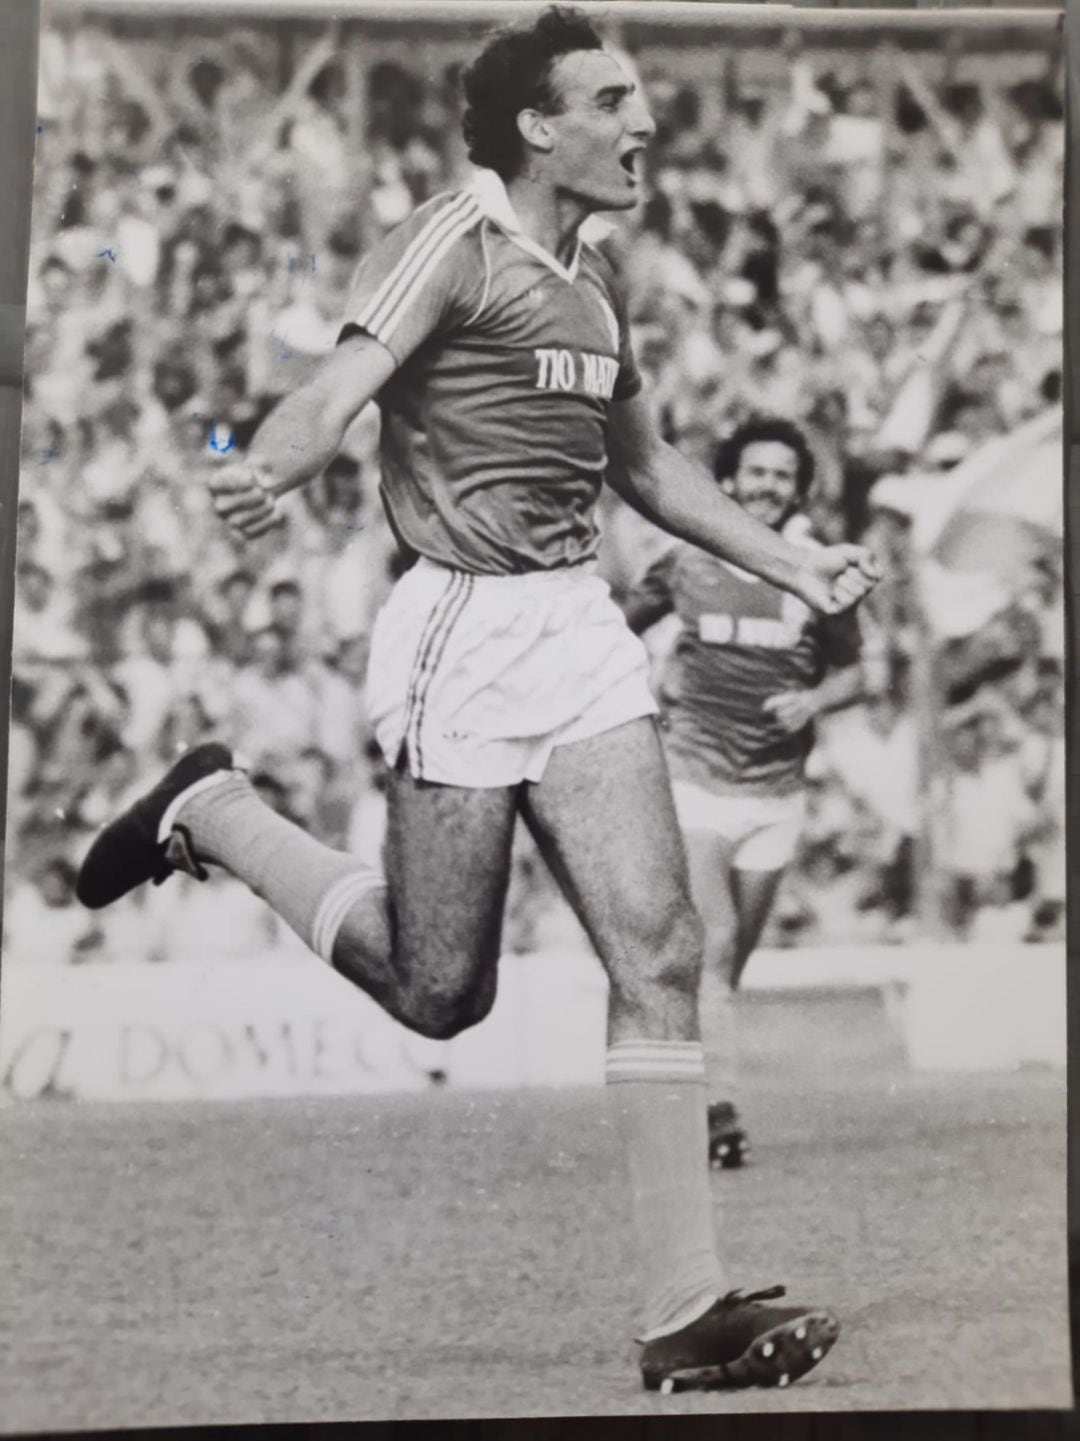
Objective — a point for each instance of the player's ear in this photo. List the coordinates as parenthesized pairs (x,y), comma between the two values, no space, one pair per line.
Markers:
(535,130)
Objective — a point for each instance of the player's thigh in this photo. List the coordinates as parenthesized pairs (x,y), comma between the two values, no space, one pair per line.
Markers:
(605,820)
(709,857)
(754,892)
(447,859)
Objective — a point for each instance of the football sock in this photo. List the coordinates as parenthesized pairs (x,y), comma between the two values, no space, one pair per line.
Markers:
(318,892)
(658,1090)
(716,1008)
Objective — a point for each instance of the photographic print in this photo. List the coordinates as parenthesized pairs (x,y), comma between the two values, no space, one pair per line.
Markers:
(535,862)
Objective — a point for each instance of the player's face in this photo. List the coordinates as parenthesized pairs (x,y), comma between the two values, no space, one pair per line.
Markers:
(766,483)
(600,131)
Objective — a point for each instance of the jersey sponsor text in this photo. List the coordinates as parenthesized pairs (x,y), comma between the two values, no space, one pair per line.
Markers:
(560,369)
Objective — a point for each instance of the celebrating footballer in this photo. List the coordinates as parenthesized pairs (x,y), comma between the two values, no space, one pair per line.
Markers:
(504,682)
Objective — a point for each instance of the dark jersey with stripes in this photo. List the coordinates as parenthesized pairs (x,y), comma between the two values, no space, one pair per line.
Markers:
(494,427)
(741,641)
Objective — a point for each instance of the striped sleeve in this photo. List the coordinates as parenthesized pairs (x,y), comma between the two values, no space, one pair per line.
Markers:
(628,381)
(414,281)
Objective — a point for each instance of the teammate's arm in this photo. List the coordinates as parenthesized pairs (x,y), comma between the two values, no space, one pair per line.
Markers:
(301,435)
(685,500)
(796,709)
(841,684)
(839,689)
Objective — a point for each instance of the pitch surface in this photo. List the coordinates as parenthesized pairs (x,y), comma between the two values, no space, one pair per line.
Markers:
(466,1255)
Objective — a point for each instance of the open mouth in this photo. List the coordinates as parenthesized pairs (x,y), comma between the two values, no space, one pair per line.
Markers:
(629,162)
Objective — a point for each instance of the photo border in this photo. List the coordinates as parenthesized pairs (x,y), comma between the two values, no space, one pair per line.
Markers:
(19,35)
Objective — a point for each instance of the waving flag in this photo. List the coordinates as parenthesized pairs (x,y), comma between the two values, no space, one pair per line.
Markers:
(981,532)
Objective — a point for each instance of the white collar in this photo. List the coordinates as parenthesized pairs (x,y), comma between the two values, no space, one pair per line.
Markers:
(490,190)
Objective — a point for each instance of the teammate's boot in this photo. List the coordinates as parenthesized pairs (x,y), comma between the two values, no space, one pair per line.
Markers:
(144,843)
(740,1341)
(729,1144)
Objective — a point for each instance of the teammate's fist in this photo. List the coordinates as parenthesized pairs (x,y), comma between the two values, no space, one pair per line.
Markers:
(837,577)
(793,710)
(243,498)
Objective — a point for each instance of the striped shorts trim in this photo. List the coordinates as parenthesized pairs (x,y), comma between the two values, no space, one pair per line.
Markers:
(474,680)
(440,626)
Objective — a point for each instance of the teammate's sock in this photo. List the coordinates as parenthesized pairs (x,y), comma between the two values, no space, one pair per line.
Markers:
(317,891)
(658,1089)
(716,1008)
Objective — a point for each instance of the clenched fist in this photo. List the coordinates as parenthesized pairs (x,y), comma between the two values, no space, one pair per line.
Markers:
(243,497)
(836,577)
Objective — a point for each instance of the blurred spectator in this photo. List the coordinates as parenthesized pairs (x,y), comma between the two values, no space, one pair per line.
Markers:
(273,707)
(43,636)
(43,925)
(987,817)
(226,615)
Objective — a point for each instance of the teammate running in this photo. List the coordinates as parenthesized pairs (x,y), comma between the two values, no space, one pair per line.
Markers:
(751,668)
(503,680)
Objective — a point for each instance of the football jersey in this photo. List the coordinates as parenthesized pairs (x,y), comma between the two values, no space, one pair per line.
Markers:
(741,641)
(494,426)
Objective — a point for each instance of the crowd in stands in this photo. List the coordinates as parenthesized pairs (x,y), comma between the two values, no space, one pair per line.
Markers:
(882,264)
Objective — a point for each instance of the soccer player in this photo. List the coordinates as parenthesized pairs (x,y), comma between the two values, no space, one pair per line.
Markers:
(503,680)
(750,669)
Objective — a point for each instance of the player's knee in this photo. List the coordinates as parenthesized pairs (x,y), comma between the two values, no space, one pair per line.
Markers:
(441,1014)
(442,1020)
(434,1024)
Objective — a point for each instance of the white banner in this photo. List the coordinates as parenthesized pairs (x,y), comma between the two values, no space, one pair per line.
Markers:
(180,1031)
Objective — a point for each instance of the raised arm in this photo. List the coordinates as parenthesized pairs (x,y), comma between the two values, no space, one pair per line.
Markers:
(300,436)
(686,501)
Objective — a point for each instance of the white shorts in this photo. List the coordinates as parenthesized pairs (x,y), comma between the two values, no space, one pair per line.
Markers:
(480,677)
(764,830)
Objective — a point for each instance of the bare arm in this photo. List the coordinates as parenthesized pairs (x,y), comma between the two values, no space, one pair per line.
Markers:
(794,710)
(839,689)
(301,435)
(686,501)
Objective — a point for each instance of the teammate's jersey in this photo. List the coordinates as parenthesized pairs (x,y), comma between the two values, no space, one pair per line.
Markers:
(494,427)
(741,641)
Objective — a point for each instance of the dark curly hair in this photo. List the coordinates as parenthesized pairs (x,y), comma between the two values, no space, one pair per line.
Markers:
(766,428)
(513,73)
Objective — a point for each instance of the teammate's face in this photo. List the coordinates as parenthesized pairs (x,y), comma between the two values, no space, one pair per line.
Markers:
(766,482)
(600,131)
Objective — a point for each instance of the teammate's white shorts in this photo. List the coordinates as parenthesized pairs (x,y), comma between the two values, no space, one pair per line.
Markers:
(480,677)
(764,830)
